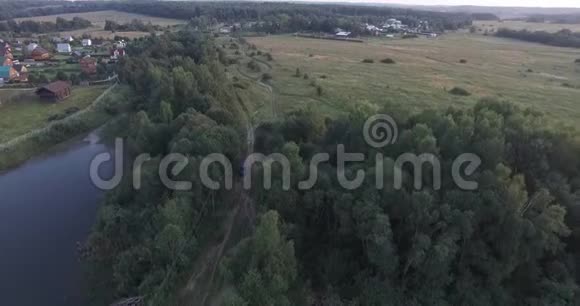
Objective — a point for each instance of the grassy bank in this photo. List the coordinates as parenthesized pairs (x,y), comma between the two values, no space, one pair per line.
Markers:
(38,142)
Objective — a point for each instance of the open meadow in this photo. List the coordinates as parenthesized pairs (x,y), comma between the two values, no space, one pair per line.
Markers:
(22,111)
(425,70)
(98,20)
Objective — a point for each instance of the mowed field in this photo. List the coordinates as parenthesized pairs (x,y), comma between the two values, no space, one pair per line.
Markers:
(22,111)
(522,25)
(532,75)
(98,20)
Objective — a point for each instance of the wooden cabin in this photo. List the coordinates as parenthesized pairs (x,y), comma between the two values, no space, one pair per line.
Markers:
(55,91)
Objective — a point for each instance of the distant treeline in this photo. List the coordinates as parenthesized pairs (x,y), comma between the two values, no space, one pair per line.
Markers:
(484,16)
(30,26)
(563,38)
(568,19)
(17,9)
(285,17)
(135,25)
(274,17)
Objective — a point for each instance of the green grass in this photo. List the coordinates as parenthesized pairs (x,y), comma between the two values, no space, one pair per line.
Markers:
(64,130)
(426,69)
(25,112)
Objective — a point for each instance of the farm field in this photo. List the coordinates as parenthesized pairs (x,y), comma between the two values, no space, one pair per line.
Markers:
(532,75)
(22,111)
(98,18)
(522,25)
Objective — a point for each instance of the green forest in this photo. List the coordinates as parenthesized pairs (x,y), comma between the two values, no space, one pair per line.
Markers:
(513,241)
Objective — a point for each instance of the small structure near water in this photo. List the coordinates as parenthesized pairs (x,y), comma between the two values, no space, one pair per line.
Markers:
(55,91)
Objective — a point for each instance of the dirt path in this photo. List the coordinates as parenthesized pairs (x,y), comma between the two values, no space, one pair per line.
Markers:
(199,287)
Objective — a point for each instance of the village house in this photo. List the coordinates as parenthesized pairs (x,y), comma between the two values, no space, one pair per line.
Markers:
(7,74)
(22,72)
(5,61)
(6,51)
(117,53)
(31,47)
(54,92)
(40,54)
(88,65)
(343,34)
(63,48)
(87,43)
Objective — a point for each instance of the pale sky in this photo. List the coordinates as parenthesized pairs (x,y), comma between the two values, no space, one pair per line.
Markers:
(527,3)
(523,3)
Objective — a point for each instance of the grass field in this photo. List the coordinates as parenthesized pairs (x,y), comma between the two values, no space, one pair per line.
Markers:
(522,25)
(98,18)
(24,112)
(532,75)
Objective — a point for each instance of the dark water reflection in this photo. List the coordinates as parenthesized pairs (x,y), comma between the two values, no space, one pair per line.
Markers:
(46,206)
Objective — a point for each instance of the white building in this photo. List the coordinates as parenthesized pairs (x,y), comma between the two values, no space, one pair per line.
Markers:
(343,34)
(31,47)
(120,44)
(63,48)
(87,43)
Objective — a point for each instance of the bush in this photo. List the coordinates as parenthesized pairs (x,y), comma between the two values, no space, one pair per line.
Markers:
(408,36)
(266,77)
(458,91)
(268,56)
(323,76)
(254,66)
(463,61)
(388,61)
(306,77)
(56,117)
(319,90)
(577,61)
(297,73)
(368,61)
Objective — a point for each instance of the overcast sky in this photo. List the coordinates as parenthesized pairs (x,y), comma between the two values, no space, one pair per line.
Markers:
(525,3)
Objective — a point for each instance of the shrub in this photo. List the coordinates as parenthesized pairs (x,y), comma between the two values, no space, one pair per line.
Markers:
(319,90)
(266,77)
(268,56)
(577,61)
(306,76)
(368,61)
(388,61)
(408,36)
(297,73)
(323,76)
(463,61)
(56,117)
(254,66)
(530,70)
(240,86)
(458,91)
